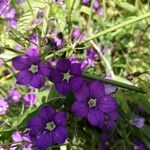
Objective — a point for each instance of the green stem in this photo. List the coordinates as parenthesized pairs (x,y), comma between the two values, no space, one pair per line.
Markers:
(30,7)
(115,83)
(126,23)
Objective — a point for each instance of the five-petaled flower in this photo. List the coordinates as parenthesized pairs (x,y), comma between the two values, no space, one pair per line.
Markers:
(92,102)
(48,128)
(32,70)
(67,76)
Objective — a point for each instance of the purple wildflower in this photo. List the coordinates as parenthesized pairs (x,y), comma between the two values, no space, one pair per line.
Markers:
(138,145)
(33,37)
(67,76)
(48,128)
(32,70)
(30,99)
(14,95)
(100,12)
(93,103)
(105,141)
(138,121)
(21,139)
(1,62)
(110,89)
(96,4)
(7,12)
(85,2)
(3,106)
(20,1)
(76,34)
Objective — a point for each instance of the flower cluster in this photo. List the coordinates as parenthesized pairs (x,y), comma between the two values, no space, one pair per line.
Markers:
(6,11)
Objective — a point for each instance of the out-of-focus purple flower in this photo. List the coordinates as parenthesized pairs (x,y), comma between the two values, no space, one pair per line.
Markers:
(96,4)
(1,148)
(138,121)
(138,145)
(14,95)
(66,76)
(92,102)
(85,2)
(7,12)
(76,34)
(1,62)
(48,128)
(105,142)
(100,11)
(32,70)
(21,139)
(30,99)
(3,106)
(17,137)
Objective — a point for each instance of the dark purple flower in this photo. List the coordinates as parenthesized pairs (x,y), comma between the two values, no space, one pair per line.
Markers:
(93,103)
(30,99)
(105,142)
(3,106)
(32,70)
(138,145)
(138,121)
(33,37)
(48,128)
(67,76)
(14,95)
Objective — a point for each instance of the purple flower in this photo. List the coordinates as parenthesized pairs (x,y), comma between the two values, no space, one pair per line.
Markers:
(14,95)
(105,142)
(76,34)
(33,37)
(21,139)
(67,76)
(3,106)
(96,4)
(85,2)
(138,145)
(138,121)
(100,12)
(32,70)
(30,99)
(110,89)
(1,62)
(93,103)
(48,128)
(20,1)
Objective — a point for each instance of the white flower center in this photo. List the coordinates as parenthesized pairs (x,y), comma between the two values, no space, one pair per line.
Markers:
(50,126)
(34,68)
(92,103)
(66,76)
(136,147)
(1,108)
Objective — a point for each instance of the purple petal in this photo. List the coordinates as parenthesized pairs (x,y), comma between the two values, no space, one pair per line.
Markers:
(33,52)
(80,109)
(44,68)
(63,87)
(107,104)
(36,125)
(21,62)
(60,135)
(24,77)
(56,76)
(76,82)
(17,137)
(95,116)
(97,89)
(37,80)
(46,113)
(61,119)
(114,115)
(75,69)
(82,93)
(44,140)
(63,65)
(110,89)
